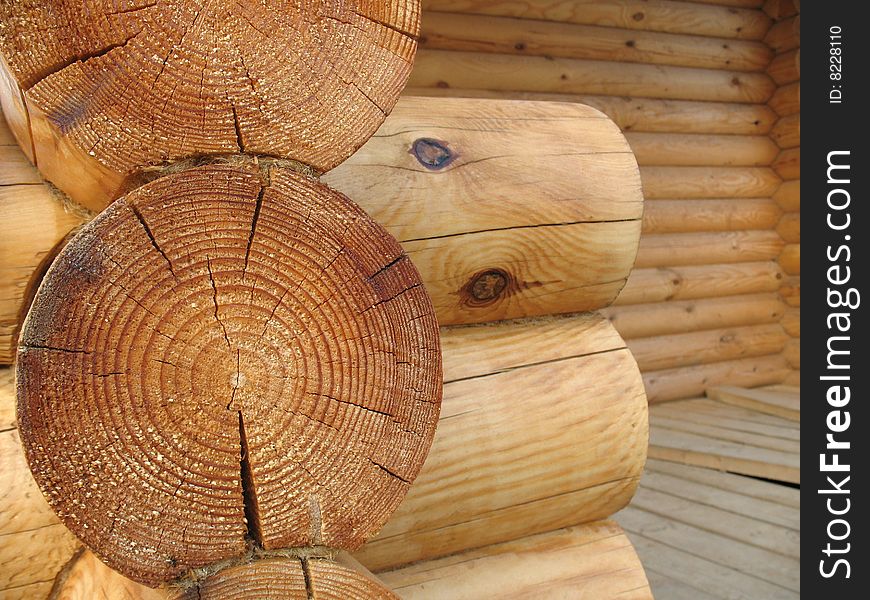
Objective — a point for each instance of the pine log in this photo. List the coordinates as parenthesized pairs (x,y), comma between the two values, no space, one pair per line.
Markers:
(790,259)
(578,459)
(785,68)
(787,131)
(790,290)
(287,341)
(787,99)
(780,9)
(689,382)
(793,378)
(678,249)
(788,164)
(791,322)
(705,347)
(784,35)
(485,197)
(649,15)
(789,227)
(792,353)
(596,560)
(738,214)
(663,319)
(471,70)
(699,281)
(506,35)
(644,114)
(96,94)
(708,182)
(788,196)
(669,149)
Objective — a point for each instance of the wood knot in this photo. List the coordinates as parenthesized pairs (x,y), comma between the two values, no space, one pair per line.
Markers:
(486,287)
(432,154)
(638,16)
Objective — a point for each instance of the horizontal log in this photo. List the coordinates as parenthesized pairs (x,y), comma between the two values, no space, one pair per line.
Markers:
(787,99)
(597,556)
(649,15)
(472,70)
(737,3)
(578,459)
(671,149)
(780,9)
(790,290)
(793,378)
(701,281)
(644,114)
(15,169)
(689,382)
(686,316)
(788,196)
(679,216)
(789,227)
(785,68)
(788,164)
(705,347)
(500,225)
(787,131)
(791,322)
(792,354)
(784,35)
(790,259)
(708,182)
(677,249)
(506,35)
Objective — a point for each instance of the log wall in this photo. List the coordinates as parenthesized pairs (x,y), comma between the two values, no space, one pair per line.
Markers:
(707,94)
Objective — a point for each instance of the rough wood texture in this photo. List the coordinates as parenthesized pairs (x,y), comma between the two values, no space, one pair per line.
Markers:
(505,35)
(443,68)
(278,366)
(654,15)
(501,469)
(596,560)
(109,92)
(508,208)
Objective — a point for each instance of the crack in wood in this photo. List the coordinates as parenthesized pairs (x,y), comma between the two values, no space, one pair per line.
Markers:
(257,208)
(306,574)
(389,472)
(151,237)
(215,301)
(249,491)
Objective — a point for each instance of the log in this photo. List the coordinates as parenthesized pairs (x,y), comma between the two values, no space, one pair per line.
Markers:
(644,114)
(791,322)
(793,378)
(577,460)
(788,164)
(787,131)
(682,216)
(596,558)
(662,319)
(780,9)
(506,35)
(680,149)
(790,290)
(689,382)
(785,68)
(289,344)
(699,281)
(491,209)
(708,182)
(787,99)
(108,93)
(788,196)
(784,35)
(471,70)
(792,354)
(790,259)
(678,249)
(705,347)
(649,15)
(789,227)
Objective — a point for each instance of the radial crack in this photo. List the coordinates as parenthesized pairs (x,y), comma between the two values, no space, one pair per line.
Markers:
(151,237)
(389,472)
(249,491)
(215,302)
(309,586)
(257,207)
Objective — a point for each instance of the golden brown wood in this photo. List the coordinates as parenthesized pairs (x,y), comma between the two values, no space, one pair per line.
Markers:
(790,290)
(788,196)
(789,227)
(508,208)
(594,559)
(791,322)
(780,9)
(785,68)
(790,259)
(787,99)
(643,114)
(86,578)
(678,249)
(652,15)
(506,35)
(787,131)
(471,70)
(725,214)
(269,350)
(675,317)
(784,35)
(778,403)
(792,353)
(793,378)
(501,469)
(109,92)
(708,182)
(670,149)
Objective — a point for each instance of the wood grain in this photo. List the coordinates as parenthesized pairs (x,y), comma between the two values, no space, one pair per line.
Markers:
(715,214)
(707,248)
(708,182)
(787,99)
(108,92)
(782,404)
(255,332)
(678,149)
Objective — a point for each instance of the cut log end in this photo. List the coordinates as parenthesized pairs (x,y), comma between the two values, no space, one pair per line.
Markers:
(232,355)
(107,92)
